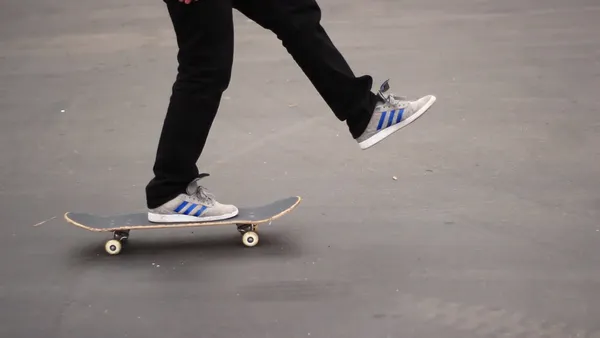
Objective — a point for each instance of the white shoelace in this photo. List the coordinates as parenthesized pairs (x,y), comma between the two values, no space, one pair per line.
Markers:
(204,196)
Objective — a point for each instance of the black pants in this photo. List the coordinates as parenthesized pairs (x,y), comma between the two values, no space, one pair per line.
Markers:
(205,37)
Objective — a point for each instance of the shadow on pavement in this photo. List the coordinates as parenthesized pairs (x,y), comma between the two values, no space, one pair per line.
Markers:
(173,247)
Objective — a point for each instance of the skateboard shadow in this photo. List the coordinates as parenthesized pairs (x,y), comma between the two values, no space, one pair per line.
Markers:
(177,246)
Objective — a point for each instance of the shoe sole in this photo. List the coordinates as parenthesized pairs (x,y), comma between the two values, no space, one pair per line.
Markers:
(376,138)
(175,218)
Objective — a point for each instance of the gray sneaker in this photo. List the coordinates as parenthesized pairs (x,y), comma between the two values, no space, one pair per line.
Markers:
(392,114)
(197,205)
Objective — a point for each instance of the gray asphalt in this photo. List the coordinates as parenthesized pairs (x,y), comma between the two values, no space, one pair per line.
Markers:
(491,227)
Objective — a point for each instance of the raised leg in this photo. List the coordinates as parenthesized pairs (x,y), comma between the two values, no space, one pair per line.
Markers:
(297,24)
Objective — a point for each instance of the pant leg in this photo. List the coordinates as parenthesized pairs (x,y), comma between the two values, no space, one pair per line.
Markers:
(204,31)
(297,24)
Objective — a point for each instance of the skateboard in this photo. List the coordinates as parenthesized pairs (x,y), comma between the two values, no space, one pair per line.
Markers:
(247,221)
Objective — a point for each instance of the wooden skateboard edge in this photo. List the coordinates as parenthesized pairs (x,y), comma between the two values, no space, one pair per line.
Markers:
(185,224)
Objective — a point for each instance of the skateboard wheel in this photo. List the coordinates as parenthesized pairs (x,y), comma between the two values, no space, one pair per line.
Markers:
(113,246)
(250,238)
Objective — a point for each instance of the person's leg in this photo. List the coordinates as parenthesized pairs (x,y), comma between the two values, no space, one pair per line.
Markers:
(297,25)
(204,31)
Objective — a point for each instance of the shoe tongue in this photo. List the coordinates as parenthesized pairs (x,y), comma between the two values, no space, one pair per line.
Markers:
(194,185)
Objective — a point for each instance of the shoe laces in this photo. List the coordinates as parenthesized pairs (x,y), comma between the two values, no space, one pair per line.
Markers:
(199,192)
(203,196)
(391,98)
(394,99)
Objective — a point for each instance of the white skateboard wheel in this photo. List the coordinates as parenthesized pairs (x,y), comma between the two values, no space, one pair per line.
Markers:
(113,247)
(250,239)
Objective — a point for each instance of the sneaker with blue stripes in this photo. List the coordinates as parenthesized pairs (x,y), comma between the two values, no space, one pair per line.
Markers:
(196,205)
(391,114)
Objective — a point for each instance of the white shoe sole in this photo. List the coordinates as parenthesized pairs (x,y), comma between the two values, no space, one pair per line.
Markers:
(371,141)
(175,218)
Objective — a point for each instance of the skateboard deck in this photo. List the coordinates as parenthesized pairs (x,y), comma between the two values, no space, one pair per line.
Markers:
(247,220)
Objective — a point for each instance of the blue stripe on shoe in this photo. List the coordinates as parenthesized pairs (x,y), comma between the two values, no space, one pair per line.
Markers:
(381,119)
(399,117)
(181,206)
(199,212)
(391,119)
(188,210)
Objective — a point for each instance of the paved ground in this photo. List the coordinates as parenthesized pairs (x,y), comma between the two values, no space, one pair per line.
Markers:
(491,228)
